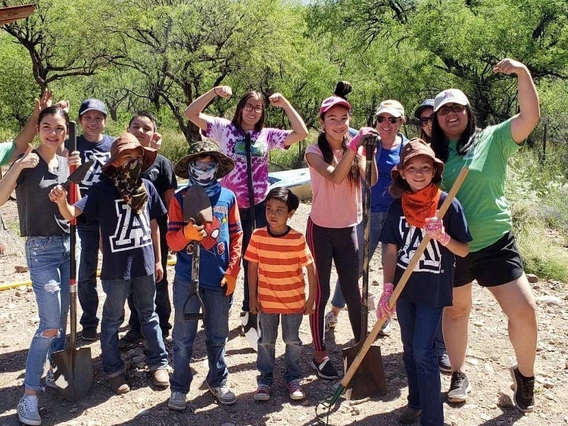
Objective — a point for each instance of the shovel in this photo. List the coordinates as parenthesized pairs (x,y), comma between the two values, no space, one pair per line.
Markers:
(369,379)
(73,367)
(196,209)
(77,176)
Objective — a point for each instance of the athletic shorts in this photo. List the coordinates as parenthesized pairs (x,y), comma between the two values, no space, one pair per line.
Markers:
(491,266)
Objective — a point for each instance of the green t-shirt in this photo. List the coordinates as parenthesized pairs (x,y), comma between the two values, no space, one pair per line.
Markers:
(482,193)
(6,152)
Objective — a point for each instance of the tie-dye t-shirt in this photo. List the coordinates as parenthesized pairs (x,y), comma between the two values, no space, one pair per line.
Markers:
(232,143)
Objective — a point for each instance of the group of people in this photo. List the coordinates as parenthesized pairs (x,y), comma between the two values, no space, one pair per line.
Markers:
(131,210)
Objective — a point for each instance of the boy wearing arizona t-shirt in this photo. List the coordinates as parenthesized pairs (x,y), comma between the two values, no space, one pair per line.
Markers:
(92,145)
(126,207)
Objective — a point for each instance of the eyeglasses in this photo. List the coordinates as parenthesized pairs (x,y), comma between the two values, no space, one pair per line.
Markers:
(391,120)
(445,110)
(423,121)
(251,108)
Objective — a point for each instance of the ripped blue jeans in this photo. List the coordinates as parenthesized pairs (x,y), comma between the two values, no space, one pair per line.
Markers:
(48,263)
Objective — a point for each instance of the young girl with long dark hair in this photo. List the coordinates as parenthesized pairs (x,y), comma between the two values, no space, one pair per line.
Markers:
(33,175)
(336,167)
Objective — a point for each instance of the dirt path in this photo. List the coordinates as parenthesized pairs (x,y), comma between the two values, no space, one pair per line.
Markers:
(489,357)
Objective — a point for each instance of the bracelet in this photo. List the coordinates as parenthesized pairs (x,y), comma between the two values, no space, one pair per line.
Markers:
(215,91)
(445,239)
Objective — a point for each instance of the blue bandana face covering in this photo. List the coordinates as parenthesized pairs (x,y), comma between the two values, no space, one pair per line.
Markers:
(204,173)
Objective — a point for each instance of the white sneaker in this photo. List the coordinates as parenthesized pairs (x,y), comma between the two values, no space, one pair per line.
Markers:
(28,412)
(177,401)
(50,379)
(329,321)
(224,394)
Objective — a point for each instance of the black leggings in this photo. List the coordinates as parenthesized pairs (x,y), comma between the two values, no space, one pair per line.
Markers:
(339,245)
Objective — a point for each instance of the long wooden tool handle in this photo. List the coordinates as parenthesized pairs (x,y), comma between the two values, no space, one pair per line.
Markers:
(72,242)
(403,280)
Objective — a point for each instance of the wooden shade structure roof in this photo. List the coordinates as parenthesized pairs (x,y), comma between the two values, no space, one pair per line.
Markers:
(13,13)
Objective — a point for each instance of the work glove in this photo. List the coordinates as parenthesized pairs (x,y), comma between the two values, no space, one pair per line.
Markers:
(193,232)
(230,282)
(365,135)
(435,230)
(383,309)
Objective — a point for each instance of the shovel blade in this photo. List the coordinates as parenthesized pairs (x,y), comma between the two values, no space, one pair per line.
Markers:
(197,206)
(73,372)
(369,380)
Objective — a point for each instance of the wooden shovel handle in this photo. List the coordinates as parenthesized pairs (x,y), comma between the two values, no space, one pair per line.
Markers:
(403,280)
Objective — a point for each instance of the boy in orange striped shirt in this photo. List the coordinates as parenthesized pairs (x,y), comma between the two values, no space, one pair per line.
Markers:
(276,255)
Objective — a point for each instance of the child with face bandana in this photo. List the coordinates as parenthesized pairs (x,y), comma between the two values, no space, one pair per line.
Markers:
(219,263)
(126,207)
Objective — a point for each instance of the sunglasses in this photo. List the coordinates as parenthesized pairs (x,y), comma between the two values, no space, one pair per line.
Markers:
(391,120)
(423,121)
(445,110)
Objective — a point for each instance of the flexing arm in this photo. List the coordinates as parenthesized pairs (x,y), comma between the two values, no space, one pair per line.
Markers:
(194,112)
(299,129)
(525,121)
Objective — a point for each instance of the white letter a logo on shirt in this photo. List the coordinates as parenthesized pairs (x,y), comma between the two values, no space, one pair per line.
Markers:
(132,230)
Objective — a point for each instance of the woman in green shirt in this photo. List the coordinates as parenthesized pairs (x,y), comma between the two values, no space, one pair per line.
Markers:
(494,260)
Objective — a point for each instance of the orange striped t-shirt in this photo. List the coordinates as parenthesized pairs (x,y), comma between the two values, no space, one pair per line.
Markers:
(280,260)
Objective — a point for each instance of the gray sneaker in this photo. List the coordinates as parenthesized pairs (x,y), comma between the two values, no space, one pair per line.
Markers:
(177,401)
(223,394)
(50,379)
(28,411)
(459,387)
(329,321)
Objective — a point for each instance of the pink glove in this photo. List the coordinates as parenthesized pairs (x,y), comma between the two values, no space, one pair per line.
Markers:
(435,230)
(365,133)
(383,309)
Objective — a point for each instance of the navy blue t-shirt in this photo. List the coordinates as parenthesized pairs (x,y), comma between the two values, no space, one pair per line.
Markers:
(98,151)
(126,235)
(431,282)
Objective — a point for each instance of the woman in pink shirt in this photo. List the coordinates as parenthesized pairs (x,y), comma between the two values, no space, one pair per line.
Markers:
(336,166)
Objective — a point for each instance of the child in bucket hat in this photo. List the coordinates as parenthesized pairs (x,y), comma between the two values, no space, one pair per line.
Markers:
(126,207)
(419,308)
(219,262)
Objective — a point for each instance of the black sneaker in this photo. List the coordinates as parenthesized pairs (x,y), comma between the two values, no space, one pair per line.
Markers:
(523,391)
(132,337)
(409,416)
(325,369)
(89,334)
(459,387)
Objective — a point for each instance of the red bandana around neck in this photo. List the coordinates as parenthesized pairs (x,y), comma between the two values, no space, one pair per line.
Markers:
(417,206)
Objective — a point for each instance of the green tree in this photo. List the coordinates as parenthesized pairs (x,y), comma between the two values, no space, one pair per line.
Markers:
(63,39)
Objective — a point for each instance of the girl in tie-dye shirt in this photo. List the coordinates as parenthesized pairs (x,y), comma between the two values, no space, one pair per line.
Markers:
(230,135)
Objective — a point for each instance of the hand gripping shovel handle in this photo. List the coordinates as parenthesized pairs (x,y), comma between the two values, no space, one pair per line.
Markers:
(400,286)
